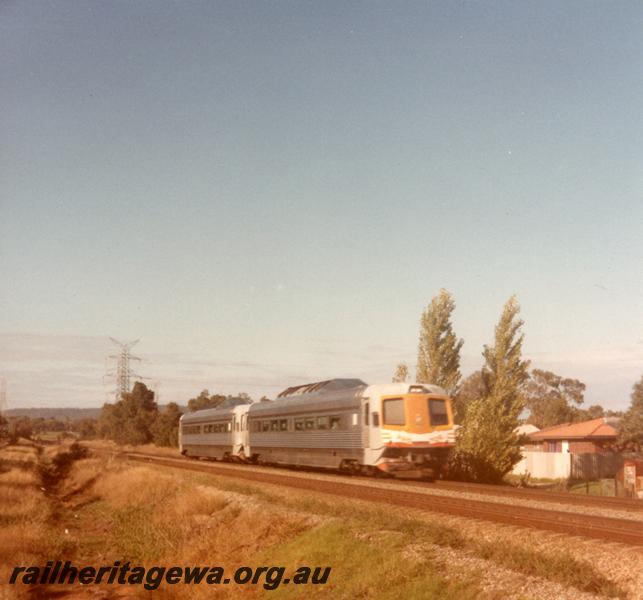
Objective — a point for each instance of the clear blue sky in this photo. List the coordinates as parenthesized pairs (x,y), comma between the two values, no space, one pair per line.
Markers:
(268,193)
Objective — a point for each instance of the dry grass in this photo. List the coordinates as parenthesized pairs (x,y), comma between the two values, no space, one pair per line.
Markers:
(26,536)
(142,449)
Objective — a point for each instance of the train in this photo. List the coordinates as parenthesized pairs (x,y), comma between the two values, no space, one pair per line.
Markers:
(393,429)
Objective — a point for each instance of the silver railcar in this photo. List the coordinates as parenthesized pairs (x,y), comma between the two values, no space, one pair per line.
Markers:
(400,429)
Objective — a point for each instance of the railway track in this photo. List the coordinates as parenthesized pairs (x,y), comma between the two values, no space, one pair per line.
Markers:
(627,504)
(590,526)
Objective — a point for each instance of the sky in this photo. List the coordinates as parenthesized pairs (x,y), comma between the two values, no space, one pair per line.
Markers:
(269,193)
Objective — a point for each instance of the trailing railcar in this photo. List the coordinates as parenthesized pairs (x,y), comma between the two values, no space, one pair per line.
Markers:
(220,432)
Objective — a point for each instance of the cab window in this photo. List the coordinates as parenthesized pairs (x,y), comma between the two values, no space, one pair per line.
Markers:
(393,411)
(438,412)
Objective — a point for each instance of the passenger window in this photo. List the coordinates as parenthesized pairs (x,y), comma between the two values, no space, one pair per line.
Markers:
(299,424)
(283,425)
(274,425)
(393,412)
(335,422)
(265,426)
(438,412)
(322,422)
(310,423)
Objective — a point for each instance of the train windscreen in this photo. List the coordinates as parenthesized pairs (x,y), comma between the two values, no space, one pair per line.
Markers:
(393,412)
(438,412)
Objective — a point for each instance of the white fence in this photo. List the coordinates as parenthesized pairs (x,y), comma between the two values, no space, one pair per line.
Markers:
(550,465)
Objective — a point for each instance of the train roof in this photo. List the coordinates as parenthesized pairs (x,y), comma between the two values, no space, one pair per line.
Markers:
(211,413)
(335,394)
(321,387)
(286,405)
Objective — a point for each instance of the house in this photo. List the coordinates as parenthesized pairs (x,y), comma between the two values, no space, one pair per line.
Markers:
(587,437)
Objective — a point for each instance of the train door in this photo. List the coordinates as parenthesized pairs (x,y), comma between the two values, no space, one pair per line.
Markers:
(244,433)
(371,437)
(365,418)
(240,431)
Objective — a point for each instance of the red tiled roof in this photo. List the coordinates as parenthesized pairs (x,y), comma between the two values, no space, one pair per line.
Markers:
(596,428)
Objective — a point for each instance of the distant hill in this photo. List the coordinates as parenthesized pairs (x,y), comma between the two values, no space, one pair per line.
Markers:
(73,414)
(54,413)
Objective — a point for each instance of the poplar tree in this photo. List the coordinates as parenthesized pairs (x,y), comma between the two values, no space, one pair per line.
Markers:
(472,388)
(487,446)
(438,348)
(631,425)
(401,373)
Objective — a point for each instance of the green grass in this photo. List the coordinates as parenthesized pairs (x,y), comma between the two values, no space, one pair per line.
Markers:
(559,567)
(361,568)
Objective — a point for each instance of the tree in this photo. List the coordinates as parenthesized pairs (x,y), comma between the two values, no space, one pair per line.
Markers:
(166,427)
(130,420)
(20,427)
(85,427)
(204,400)
(438,348)
(487,445)
(631,425)
(587,414)
(472,388)
(401,373)
(4,427)
(552,399)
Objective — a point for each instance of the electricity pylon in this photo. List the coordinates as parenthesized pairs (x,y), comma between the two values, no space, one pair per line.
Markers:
(123,373)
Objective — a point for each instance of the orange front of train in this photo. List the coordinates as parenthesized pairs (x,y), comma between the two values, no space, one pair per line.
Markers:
(417,430)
